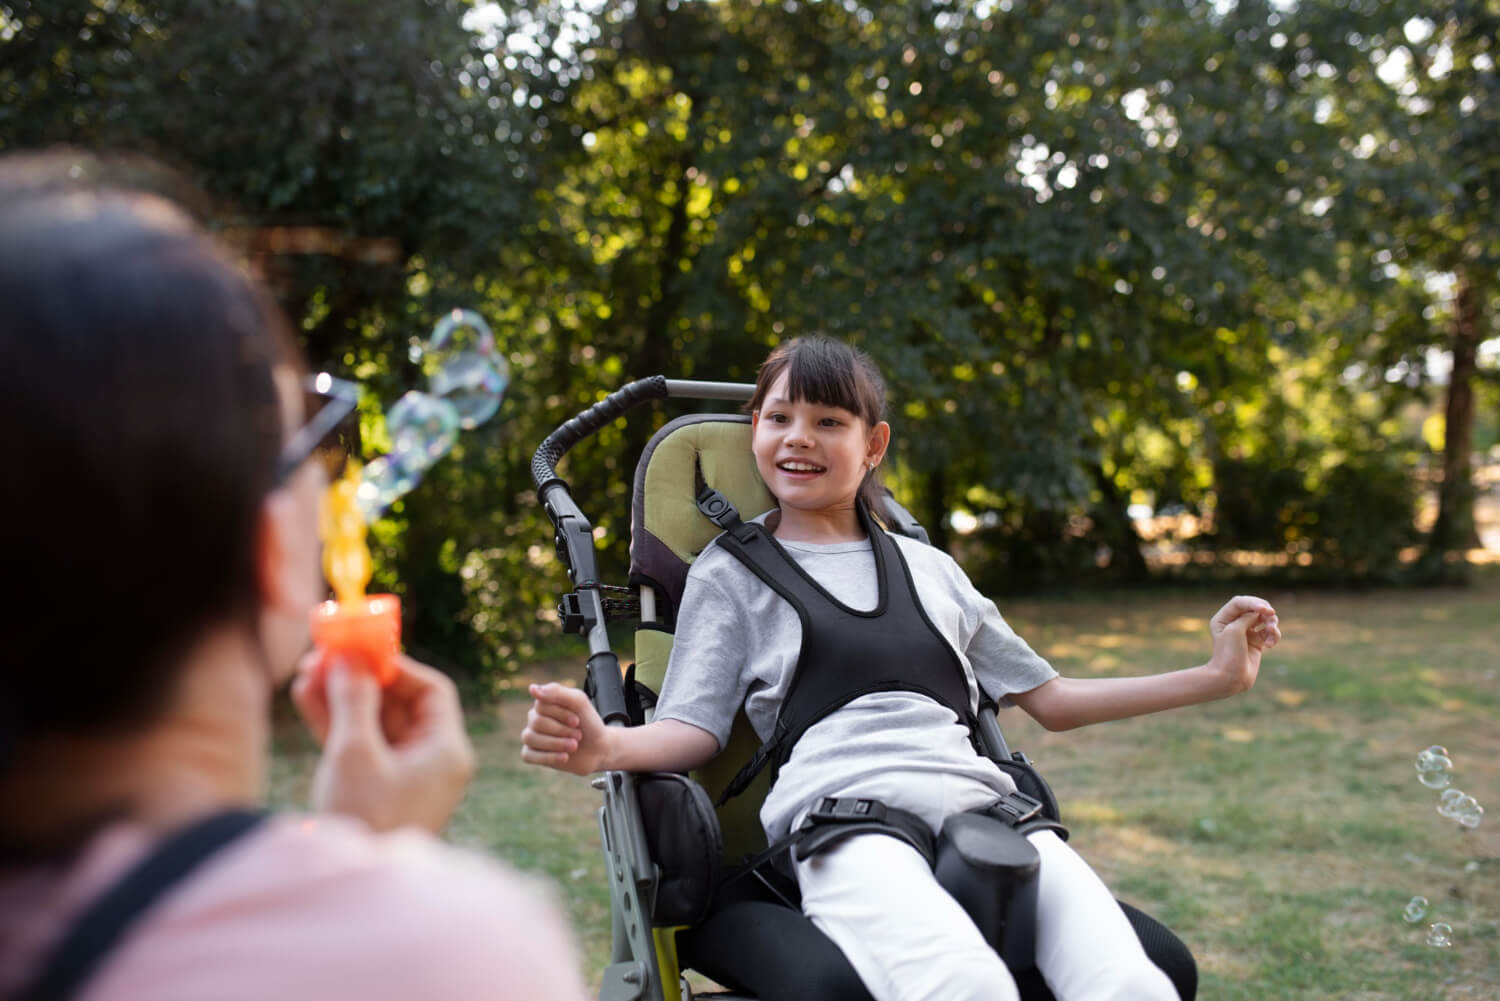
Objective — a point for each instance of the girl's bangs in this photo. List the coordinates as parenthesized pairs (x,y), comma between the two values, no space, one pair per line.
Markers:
(813,376)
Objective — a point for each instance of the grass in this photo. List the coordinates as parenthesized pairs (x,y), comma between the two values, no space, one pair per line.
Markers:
(1280,833)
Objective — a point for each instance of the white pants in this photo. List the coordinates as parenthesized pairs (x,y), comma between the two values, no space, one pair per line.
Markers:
(909,940)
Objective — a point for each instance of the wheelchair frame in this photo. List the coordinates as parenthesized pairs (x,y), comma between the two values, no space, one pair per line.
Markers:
(643,965)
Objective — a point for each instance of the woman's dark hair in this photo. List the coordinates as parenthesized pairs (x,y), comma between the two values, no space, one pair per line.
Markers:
(823,370)
(140,424)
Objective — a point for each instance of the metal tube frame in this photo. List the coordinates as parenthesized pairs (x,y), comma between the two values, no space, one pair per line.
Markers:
(636,970)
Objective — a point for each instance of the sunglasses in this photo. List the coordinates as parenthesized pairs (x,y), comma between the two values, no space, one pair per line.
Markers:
(331,431)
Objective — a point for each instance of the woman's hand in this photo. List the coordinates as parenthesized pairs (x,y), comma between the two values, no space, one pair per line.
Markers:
(564,731)
(392,756)
(1242,630)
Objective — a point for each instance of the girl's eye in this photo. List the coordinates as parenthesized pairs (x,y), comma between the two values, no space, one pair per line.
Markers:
(776,418)
(831,422)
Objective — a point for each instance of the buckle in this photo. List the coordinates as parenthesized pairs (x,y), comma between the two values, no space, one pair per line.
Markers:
(832,810)
(1016,808)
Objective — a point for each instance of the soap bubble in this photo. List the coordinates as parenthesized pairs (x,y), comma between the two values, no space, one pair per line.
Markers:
(474,384)
(1415,910)
(422,427)
(1433,766)
(1440,935)
(382,481)
(473,378)
(1460,806)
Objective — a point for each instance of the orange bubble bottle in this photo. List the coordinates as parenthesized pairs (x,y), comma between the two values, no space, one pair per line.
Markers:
(364,628)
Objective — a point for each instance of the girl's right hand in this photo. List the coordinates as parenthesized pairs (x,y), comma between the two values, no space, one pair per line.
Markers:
(564,731)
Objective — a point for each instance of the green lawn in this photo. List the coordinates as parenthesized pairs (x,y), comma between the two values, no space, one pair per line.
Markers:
(1280,833)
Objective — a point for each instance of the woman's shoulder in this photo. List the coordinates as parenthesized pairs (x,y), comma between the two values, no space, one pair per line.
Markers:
(307,905)
(296,851)
(362,905)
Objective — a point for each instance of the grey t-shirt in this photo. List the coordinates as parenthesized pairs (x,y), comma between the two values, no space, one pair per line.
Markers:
(737,643)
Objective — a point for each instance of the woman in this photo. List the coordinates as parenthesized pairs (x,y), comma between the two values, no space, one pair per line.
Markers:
(162,556)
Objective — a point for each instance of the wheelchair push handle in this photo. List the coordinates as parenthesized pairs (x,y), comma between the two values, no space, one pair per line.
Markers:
(571,432)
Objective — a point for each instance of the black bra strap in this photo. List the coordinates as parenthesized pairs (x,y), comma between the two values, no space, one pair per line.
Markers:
(104,923)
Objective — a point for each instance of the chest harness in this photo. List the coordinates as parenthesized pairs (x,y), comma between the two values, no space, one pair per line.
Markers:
(847,654)
(988,866)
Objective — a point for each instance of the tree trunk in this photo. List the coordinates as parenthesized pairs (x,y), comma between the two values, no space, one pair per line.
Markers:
(1454,528)
(935,509)
(1114,511)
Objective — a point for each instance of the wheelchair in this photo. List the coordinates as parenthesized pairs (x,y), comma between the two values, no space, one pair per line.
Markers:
(682,897)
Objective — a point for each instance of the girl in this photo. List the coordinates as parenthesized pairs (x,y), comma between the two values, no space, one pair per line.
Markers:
(818,436)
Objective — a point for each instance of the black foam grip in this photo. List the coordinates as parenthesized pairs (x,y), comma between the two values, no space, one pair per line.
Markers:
(574,430)
(607,689)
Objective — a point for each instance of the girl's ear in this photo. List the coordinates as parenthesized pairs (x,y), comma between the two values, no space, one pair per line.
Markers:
(880,440)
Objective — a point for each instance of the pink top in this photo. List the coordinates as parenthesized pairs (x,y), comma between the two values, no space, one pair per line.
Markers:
(305,909)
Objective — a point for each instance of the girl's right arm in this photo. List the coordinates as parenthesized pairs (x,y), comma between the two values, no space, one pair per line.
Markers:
(564,731)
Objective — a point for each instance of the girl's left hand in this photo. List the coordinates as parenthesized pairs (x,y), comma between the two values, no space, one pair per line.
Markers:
(1242,630)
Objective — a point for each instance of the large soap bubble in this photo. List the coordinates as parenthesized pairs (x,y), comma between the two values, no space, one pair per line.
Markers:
(473,378)
(466,387)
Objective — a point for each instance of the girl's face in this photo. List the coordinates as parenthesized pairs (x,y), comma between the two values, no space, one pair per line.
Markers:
(813,456)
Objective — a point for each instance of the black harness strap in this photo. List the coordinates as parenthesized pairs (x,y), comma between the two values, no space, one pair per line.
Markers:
(845,653)
(100,928)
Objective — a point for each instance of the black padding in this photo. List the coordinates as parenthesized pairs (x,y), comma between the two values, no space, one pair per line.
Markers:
(770,951)
(761,947)
(1166,950)
(683,838)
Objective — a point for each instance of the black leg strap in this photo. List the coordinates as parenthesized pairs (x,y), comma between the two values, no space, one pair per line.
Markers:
(99,930)
(833,819)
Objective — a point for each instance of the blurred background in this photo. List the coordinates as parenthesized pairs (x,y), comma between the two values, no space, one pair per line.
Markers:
(1166,292)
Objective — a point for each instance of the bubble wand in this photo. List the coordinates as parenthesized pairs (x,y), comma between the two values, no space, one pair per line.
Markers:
(467,387)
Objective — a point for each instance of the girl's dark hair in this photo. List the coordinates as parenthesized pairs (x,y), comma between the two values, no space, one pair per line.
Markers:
(823,370)
(140,426)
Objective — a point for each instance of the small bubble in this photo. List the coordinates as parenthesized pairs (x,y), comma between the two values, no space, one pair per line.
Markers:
(1415,910)
(1440,935)
(1451,803)
(1461,807)
(1433,766)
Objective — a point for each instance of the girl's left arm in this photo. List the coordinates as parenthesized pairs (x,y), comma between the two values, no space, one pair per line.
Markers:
(1242,630)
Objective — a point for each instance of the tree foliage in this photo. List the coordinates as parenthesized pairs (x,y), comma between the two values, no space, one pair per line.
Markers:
(1166,252)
